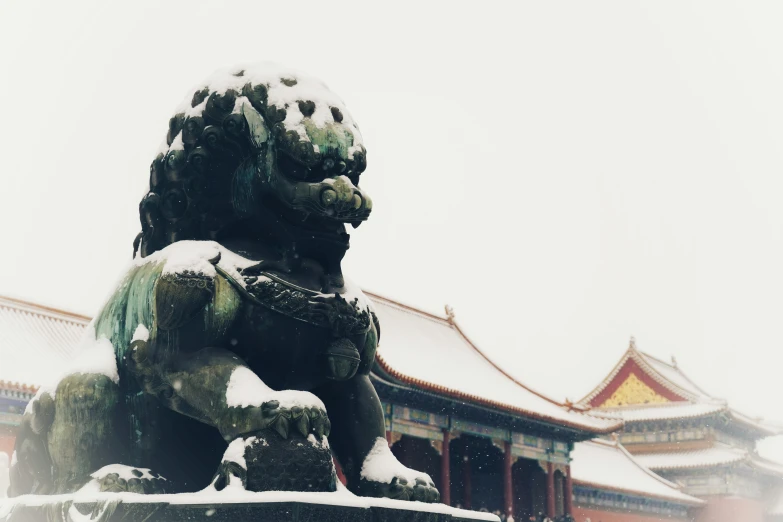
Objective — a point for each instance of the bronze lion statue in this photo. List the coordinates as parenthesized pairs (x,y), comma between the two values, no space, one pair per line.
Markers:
(233,334)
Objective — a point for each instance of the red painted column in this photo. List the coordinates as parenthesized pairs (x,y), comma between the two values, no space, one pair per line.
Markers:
(468,497)
(569,493)
(445,470)
(550,490)
(508,489)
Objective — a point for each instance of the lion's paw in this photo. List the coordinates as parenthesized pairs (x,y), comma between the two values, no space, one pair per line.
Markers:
(382,475)
(118,478)
(304,420)
(254,407)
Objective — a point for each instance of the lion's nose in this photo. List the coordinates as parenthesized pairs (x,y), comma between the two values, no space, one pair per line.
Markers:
(346,199)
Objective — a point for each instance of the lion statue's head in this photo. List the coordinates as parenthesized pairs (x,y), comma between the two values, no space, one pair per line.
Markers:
(258,150)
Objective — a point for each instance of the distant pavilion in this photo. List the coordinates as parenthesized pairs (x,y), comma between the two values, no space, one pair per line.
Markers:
(676,429)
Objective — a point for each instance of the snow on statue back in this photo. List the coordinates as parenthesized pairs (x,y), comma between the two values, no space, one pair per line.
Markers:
(234,330)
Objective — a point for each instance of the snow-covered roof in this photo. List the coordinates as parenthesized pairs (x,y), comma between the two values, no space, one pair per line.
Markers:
(686,398)
(604,464)
(701,458)
(677,410)
(35,342)
(718,455)
(432,353)
(672,374)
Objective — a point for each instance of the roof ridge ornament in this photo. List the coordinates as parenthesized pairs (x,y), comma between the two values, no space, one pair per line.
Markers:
(449,314)
(632,343)
(674,361)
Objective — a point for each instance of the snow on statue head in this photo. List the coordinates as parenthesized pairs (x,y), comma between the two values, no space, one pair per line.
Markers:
(261,144)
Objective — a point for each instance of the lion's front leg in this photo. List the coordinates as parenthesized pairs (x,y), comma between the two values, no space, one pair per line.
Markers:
(215,386)
(360,444)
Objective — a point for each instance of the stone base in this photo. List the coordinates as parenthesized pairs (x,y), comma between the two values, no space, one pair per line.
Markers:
(195,507)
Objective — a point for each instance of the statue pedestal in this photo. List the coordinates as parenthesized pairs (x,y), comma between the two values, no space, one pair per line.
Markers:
(228,507)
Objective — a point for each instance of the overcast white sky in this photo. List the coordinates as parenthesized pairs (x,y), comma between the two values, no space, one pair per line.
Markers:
(564,174)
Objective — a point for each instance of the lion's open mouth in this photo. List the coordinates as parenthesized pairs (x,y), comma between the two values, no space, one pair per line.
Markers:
(311,224)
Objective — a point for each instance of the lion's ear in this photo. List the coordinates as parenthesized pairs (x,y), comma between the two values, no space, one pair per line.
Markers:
(259,132)
(180,297)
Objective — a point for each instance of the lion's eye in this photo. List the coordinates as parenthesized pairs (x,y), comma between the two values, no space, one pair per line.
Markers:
(292,169)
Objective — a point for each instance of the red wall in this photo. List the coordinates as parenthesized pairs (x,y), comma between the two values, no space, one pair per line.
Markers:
(7,442)
(731,509)
(581,514)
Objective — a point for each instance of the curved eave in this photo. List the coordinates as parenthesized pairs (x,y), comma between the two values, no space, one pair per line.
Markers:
(756,428)
(47,311)
(651,413)
(695,502)
(749,461)
(391,390)
(755,425)
(690,381)
(460,395)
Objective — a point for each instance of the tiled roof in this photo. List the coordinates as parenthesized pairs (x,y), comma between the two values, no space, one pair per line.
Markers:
(35,341)
(697,403)
(608,465)
(432,353)
(718,455)
(681,410)
(702,458)
(674,377)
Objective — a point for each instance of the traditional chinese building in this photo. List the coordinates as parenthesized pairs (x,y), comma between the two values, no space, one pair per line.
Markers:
(488,440)
(676,429)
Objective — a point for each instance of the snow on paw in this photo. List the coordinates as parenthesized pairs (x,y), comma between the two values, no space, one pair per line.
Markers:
(254,407)
(233,468)
(382,475)
(117,478)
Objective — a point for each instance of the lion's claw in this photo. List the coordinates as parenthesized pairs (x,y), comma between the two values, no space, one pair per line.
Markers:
(401,489)
(418,486)
(269,407)
(425,492)
(302,420)
(303,424)
(281,426)
(141,482)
